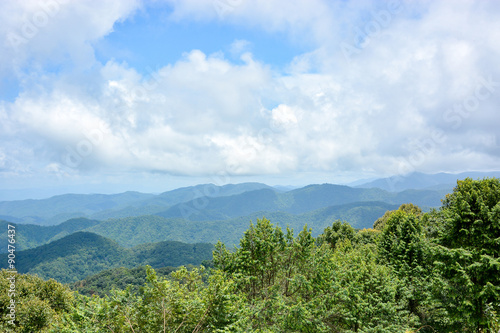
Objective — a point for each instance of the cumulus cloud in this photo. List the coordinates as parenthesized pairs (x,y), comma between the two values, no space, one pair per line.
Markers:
(383,89)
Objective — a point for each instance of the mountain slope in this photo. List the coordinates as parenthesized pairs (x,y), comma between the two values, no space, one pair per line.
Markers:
(29,236)
(220,208)
(137,230)
(80,254)
(314,197)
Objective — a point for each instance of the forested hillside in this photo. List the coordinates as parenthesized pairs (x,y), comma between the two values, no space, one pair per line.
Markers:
(413,272)
(81,254)
(132,231)
(30,236)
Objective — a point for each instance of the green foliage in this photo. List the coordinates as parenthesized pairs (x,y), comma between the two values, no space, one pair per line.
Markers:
(368,236)
(191,301)
(363,292)
(407,208)
(404,248)
(294,285)
(39,303)
(339,231)
(104,282)
(468,254)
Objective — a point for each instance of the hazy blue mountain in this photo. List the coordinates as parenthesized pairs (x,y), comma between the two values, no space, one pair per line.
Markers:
(102,206)
(358,214)
(297,201)
(81,254)
(60,208)
(221,208)
(417,180)
(207,202)
(314,197)
(285,188)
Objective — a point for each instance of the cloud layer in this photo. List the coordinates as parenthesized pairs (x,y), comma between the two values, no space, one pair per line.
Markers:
(385,88)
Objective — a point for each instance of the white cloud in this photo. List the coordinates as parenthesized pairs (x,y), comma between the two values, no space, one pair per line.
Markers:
(40,34)
(388,108)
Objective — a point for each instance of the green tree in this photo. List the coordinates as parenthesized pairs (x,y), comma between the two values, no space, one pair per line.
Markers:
(468,255)
(361,293)
(338,231)
(403,247)
(407,208)
(39,304)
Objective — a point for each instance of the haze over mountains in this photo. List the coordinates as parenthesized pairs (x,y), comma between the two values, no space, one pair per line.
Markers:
(209,202)
(418,180)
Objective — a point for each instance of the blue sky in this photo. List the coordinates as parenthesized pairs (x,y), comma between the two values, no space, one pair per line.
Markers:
(147,40)
(108,96)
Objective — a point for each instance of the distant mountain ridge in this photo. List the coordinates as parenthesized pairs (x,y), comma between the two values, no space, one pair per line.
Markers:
(180,226)
(417,180)
(60,208)
(297,201)
(209,202)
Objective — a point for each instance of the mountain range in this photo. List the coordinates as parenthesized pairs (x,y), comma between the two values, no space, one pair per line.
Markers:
(69,237)
(205,202)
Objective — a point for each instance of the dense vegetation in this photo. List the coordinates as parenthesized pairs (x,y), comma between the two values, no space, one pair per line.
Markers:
(432,272)
(104,282)
(81,254)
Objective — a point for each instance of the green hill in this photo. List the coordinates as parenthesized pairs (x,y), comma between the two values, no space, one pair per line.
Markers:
(30,236)
(132,231)
(81,254)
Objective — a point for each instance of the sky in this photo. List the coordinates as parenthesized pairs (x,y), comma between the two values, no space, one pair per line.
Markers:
(114,95)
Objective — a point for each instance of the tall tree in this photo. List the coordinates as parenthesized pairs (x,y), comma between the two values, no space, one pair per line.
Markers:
(402,246)
(407,208)
(468,255)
